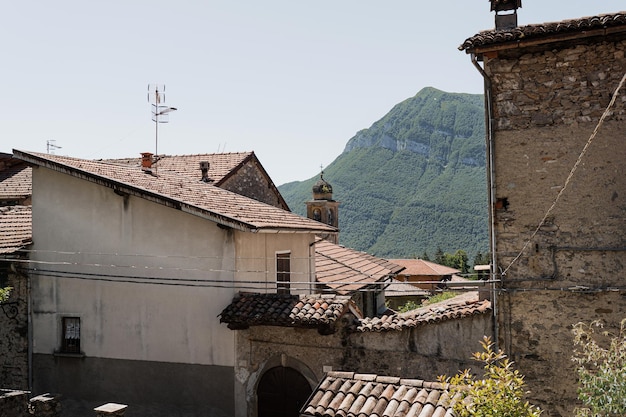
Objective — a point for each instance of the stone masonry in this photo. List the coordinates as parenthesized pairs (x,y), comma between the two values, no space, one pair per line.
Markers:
(547,100)
(14,333)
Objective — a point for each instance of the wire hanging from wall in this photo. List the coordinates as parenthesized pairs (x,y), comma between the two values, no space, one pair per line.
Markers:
(571,174)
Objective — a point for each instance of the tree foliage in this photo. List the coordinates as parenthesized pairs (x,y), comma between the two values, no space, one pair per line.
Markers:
(601,370)
(500,393)
(4,294)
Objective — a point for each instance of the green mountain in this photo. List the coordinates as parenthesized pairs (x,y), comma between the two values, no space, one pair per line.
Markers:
(413,182)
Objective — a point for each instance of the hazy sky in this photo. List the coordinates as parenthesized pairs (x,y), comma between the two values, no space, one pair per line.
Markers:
(291,80)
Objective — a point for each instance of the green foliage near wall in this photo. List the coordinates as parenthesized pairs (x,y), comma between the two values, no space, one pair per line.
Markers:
(413,182)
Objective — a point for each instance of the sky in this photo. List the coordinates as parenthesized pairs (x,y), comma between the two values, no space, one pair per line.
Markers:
(292,81)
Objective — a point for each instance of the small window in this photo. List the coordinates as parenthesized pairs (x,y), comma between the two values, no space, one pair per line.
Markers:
(283,272)
(71,335)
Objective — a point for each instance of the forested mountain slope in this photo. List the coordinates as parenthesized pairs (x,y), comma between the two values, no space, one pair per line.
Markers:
(414,181)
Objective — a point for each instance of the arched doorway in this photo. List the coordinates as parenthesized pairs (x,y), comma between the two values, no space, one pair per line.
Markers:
(281,392)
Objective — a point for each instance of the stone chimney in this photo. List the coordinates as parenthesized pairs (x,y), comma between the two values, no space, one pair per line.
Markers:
(506,21)
(204,168)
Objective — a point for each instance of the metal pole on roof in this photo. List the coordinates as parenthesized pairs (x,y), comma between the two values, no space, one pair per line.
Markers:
(156,96)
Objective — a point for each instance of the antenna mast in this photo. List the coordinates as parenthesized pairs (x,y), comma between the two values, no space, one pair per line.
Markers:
(51,146)
(156,97)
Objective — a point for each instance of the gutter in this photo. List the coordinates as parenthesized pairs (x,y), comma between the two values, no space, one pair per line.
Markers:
(491,194)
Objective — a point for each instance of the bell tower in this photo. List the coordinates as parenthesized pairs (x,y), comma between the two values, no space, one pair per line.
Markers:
(323,208)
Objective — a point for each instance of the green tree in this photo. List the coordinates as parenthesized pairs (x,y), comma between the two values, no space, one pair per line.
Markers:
(440,257)
(601,370)
(425,256)
(4,294)
(499,394)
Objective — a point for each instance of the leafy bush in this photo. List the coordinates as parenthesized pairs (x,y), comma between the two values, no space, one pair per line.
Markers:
(601,370)
(4,294)
(499,394)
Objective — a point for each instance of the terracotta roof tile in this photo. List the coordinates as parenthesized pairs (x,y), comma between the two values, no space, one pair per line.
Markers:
(15,182)
(461,306)
(221,165)
(544,30)
(15,228)
(346,270)
(252,309)
(353,395)
(180,191)
(422,267)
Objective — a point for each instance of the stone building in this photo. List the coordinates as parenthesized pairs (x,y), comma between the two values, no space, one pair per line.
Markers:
(557,157)
(285,345)
(15,237)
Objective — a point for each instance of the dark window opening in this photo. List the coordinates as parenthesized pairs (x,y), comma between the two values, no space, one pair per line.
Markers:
(283,273)
(71,335)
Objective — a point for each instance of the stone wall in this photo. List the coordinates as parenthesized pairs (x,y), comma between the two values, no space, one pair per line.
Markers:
(14,332)
(547,103)
(423,352)
(251,182)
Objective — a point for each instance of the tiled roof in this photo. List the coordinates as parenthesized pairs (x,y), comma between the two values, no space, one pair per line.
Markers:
(221,165)
(15,178)
(15,228)
(402,289)
(423,268)
(461,306)
(346,270)
(346,394)
(252,309)
(612,22)
(193,196)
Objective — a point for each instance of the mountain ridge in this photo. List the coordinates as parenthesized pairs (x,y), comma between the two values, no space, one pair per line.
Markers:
(414,181)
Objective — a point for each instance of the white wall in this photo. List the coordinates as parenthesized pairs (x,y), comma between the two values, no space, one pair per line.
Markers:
(171,323)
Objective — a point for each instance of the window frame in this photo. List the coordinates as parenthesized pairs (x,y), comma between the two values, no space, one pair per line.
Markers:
(283,272)
(70,338)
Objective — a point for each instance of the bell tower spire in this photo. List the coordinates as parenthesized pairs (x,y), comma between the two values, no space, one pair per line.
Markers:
(322,207)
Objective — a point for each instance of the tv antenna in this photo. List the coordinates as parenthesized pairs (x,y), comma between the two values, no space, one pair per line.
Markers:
(51,146)
(160,111)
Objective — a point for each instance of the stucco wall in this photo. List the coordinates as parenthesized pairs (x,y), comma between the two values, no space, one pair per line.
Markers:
(110,243)
(256,261)
(424,352)
(547,102)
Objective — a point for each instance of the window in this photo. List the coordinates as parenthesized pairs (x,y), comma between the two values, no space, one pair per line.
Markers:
(283,272)
(71,335)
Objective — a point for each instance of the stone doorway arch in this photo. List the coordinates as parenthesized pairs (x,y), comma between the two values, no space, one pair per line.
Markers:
(281,392)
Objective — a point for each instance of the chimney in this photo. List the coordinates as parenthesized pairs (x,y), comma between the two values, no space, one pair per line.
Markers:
(204,167)
(146,161)
(505,21)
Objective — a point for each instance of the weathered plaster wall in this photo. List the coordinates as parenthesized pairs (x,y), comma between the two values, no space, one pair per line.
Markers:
(424,352)
(137,338)
(547,102)
(256,261)
(14,332)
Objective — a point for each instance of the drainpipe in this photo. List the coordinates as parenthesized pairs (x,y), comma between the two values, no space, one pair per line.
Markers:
(492,193)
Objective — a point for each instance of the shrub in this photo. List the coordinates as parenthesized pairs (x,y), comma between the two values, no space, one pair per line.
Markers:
(499,394)
(601,370)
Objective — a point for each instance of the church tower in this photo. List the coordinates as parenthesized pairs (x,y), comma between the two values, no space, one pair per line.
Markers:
(323,208)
